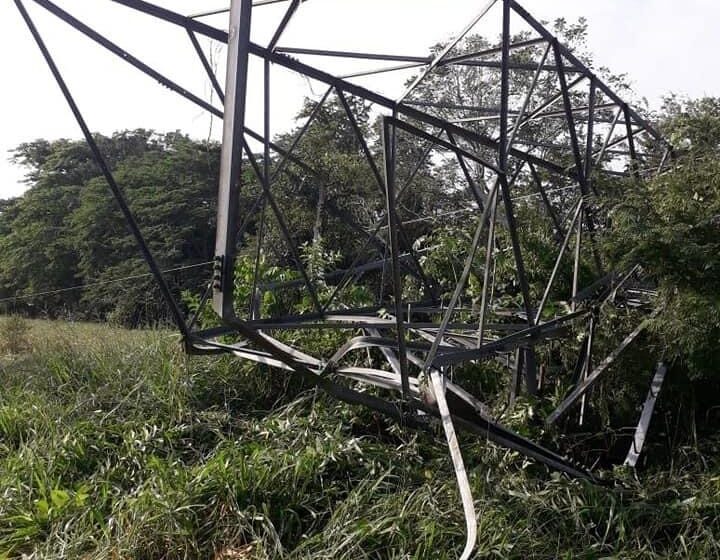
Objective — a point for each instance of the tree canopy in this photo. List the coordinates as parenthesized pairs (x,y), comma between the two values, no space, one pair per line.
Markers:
(66,230)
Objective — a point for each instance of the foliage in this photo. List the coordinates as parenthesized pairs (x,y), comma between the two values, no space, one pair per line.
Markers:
(671,226)
(66,230)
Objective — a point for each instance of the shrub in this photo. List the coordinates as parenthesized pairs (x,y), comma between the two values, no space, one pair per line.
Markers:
(14,335)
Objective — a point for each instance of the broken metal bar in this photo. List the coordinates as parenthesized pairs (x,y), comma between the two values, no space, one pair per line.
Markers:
(475,422)
(469,418)
(646,416)
(508,342)
(438,385)
(592,378)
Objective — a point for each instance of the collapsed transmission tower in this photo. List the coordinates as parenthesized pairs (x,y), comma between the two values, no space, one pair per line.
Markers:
(545,141)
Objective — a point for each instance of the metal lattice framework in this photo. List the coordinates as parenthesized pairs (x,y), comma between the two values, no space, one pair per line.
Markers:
(547,138)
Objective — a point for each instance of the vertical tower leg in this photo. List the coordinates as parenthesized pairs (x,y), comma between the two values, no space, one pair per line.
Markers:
(231,156)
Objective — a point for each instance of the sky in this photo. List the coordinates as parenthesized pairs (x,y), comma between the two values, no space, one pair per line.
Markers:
(662,45)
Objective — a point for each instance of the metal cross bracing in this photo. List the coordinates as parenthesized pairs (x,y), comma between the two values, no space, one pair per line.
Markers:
(530,141)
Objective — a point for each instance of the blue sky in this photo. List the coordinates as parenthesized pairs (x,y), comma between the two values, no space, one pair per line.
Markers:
(664,46)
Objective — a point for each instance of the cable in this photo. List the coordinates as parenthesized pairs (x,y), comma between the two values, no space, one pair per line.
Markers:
(101,283)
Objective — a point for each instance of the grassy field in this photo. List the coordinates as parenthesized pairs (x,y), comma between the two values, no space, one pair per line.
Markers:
(115,445)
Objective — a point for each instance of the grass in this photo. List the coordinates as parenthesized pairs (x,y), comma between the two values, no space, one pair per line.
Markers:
(115,445)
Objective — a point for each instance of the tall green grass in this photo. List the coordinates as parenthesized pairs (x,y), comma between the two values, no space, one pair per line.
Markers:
(113,444)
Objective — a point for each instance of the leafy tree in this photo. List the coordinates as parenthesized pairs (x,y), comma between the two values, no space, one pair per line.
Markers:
(36,244)
(671,226)
(67,230)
